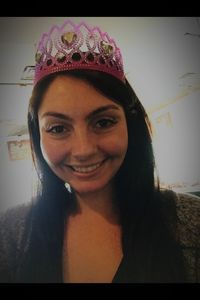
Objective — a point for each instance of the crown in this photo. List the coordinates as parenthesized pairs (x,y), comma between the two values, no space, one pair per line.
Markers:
(72,46)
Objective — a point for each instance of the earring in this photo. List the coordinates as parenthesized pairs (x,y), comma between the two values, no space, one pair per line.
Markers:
(68,187)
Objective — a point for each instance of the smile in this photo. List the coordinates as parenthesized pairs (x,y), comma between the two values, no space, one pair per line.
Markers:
(86,169)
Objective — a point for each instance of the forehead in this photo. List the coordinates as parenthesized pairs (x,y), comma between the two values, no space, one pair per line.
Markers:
(69,93)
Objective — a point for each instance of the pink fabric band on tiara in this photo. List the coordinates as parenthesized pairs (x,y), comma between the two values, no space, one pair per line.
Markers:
(71,47)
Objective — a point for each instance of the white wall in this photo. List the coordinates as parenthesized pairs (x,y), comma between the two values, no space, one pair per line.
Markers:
(177,143)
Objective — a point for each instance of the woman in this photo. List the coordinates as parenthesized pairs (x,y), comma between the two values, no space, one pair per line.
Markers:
(98,215)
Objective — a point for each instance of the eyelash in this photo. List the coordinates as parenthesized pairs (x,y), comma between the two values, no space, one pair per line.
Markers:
(51,129)
(98,126)
(110,122)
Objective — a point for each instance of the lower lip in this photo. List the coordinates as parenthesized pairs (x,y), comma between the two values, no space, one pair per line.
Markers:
(89,174)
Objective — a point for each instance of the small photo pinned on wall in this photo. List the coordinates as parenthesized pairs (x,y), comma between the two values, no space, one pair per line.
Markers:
(19,150)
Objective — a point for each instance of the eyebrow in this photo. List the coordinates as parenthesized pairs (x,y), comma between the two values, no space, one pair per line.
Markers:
(89,116)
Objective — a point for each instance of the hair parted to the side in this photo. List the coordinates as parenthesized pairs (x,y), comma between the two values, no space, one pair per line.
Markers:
(153,253)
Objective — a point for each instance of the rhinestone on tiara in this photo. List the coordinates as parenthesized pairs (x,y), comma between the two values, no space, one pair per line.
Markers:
(72,46)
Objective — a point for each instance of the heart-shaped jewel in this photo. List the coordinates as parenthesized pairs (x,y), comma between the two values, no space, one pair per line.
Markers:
(107,48)
(68,38)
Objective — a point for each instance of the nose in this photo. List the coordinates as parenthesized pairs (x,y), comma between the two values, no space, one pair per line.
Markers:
(84,145)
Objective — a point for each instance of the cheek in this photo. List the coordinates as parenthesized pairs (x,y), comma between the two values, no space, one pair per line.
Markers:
(53,152)
(117,144)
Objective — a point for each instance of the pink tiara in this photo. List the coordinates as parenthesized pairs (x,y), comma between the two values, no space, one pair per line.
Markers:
(73,46)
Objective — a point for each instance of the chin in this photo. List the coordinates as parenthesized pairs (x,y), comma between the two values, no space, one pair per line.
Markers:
(88,188)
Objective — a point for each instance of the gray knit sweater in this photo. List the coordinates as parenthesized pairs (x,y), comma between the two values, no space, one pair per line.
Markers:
(187,232)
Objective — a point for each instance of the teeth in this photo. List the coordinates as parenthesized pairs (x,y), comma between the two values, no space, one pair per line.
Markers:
(86,169)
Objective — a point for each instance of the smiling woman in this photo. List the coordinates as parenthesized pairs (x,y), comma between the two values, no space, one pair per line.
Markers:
(90,133)
(84,144)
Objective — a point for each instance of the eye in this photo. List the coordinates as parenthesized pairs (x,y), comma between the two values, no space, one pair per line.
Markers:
(105,123)
(56,129)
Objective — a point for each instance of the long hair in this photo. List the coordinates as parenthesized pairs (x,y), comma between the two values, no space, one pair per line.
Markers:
(151,250)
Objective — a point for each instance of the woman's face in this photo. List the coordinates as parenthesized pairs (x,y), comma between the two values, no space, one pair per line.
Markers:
(83,134)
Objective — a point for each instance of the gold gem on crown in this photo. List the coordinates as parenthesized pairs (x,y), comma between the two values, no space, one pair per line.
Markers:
(68,38)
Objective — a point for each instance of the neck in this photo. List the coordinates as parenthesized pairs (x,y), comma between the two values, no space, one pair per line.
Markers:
(102,203)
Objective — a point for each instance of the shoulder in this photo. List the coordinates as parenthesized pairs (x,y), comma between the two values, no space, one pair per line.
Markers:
(12,227)
(186,225)
(188,219)
(185,203)
(186,210)
(188,229)
(13,219)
